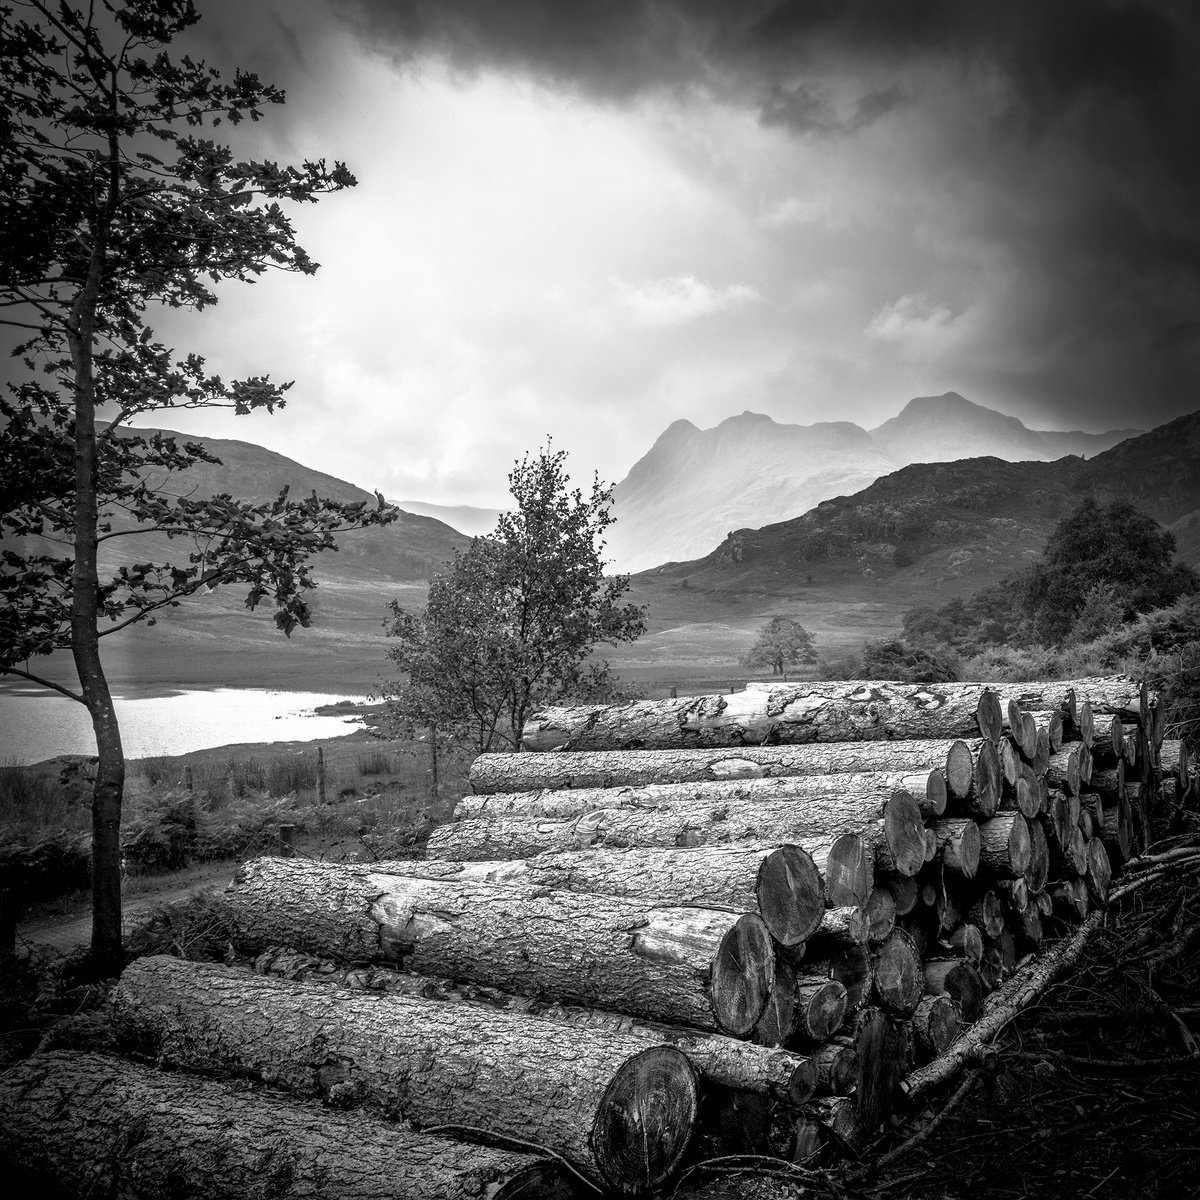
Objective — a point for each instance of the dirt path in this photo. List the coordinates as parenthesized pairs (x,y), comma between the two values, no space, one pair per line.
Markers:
(69,932)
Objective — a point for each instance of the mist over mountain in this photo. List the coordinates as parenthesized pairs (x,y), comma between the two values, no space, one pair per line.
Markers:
(930,531)
(694,486)
(467,519)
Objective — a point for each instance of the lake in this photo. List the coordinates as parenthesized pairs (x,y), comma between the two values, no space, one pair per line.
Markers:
(36,724)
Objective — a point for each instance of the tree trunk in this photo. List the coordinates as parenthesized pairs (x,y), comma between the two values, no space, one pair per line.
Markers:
(928,787)
(109,788)
(853,711)
(599,1101)
(781,882)
(894,827)
(556,771)
(94,1126)
(696,966)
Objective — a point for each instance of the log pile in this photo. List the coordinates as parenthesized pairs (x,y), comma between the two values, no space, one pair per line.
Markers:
(671,930)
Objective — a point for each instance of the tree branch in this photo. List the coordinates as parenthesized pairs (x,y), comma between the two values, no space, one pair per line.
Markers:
(47,683)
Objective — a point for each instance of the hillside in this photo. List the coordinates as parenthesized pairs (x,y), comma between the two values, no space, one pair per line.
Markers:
(920,535)
(695,485)
(212,639)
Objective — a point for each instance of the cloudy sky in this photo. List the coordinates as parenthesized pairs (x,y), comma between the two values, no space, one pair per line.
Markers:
(588,218)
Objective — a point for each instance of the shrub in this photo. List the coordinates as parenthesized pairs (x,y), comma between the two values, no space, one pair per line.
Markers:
(913,664)
(374,762)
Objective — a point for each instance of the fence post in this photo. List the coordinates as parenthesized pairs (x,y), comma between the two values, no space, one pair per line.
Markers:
(673,692)
(321,776)
(286,834)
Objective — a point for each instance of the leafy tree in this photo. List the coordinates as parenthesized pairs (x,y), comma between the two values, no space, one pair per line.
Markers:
(913,664)
(514,620)
(112,201)
(781,643)
(1097,546)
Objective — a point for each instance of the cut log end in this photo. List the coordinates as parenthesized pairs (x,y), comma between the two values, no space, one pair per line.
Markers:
(898,978)
(848,874)
(960,770)
(904,831)
(645,1120)
(743,973)
(791,895)
(989,715)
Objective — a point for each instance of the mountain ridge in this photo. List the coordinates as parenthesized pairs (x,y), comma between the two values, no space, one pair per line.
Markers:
(692,486)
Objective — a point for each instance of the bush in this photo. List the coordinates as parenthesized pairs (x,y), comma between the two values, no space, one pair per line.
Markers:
(912,664)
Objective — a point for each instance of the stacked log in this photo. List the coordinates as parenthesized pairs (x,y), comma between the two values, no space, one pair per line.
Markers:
(720,925)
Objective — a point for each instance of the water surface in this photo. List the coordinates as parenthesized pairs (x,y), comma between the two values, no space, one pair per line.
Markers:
(36,724)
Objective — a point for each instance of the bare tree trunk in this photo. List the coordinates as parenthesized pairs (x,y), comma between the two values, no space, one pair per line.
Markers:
(94,1126)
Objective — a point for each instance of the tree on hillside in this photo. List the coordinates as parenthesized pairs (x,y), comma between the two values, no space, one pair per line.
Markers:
(781,643)
(111,201)
(513,622)
(1115,548)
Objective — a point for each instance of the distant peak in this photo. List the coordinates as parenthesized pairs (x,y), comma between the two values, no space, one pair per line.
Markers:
(945,401)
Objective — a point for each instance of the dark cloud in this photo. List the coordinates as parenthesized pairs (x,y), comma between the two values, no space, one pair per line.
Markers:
(1068,128)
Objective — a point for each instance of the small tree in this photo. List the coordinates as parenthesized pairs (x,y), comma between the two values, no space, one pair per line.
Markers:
(111,201)
(781,643)
(513,622)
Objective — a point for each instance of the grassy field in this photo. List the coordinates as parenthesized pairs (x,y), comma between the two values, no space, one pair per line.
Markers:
(225,804)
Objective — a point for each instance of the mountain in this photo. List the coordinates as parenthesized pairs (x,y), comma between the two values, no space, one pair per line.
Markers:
(927,532)
(212,639)
(465,518)
(949,427)
(694,485)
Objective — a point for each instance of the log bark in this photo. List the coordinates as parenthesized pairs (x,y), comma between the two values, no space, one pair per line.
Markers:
(956,978)
(840,929)
(987,914)
(934,1025)
(820,1007)
(959,845)
(556,771)
(720,1061)
(927,786)
(850,711)
(782,883)
(1062,771)
(94,1126)
(853,968)
(837,1068)
(894,827)
(622,1111)
(698,966)
(1004,846)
